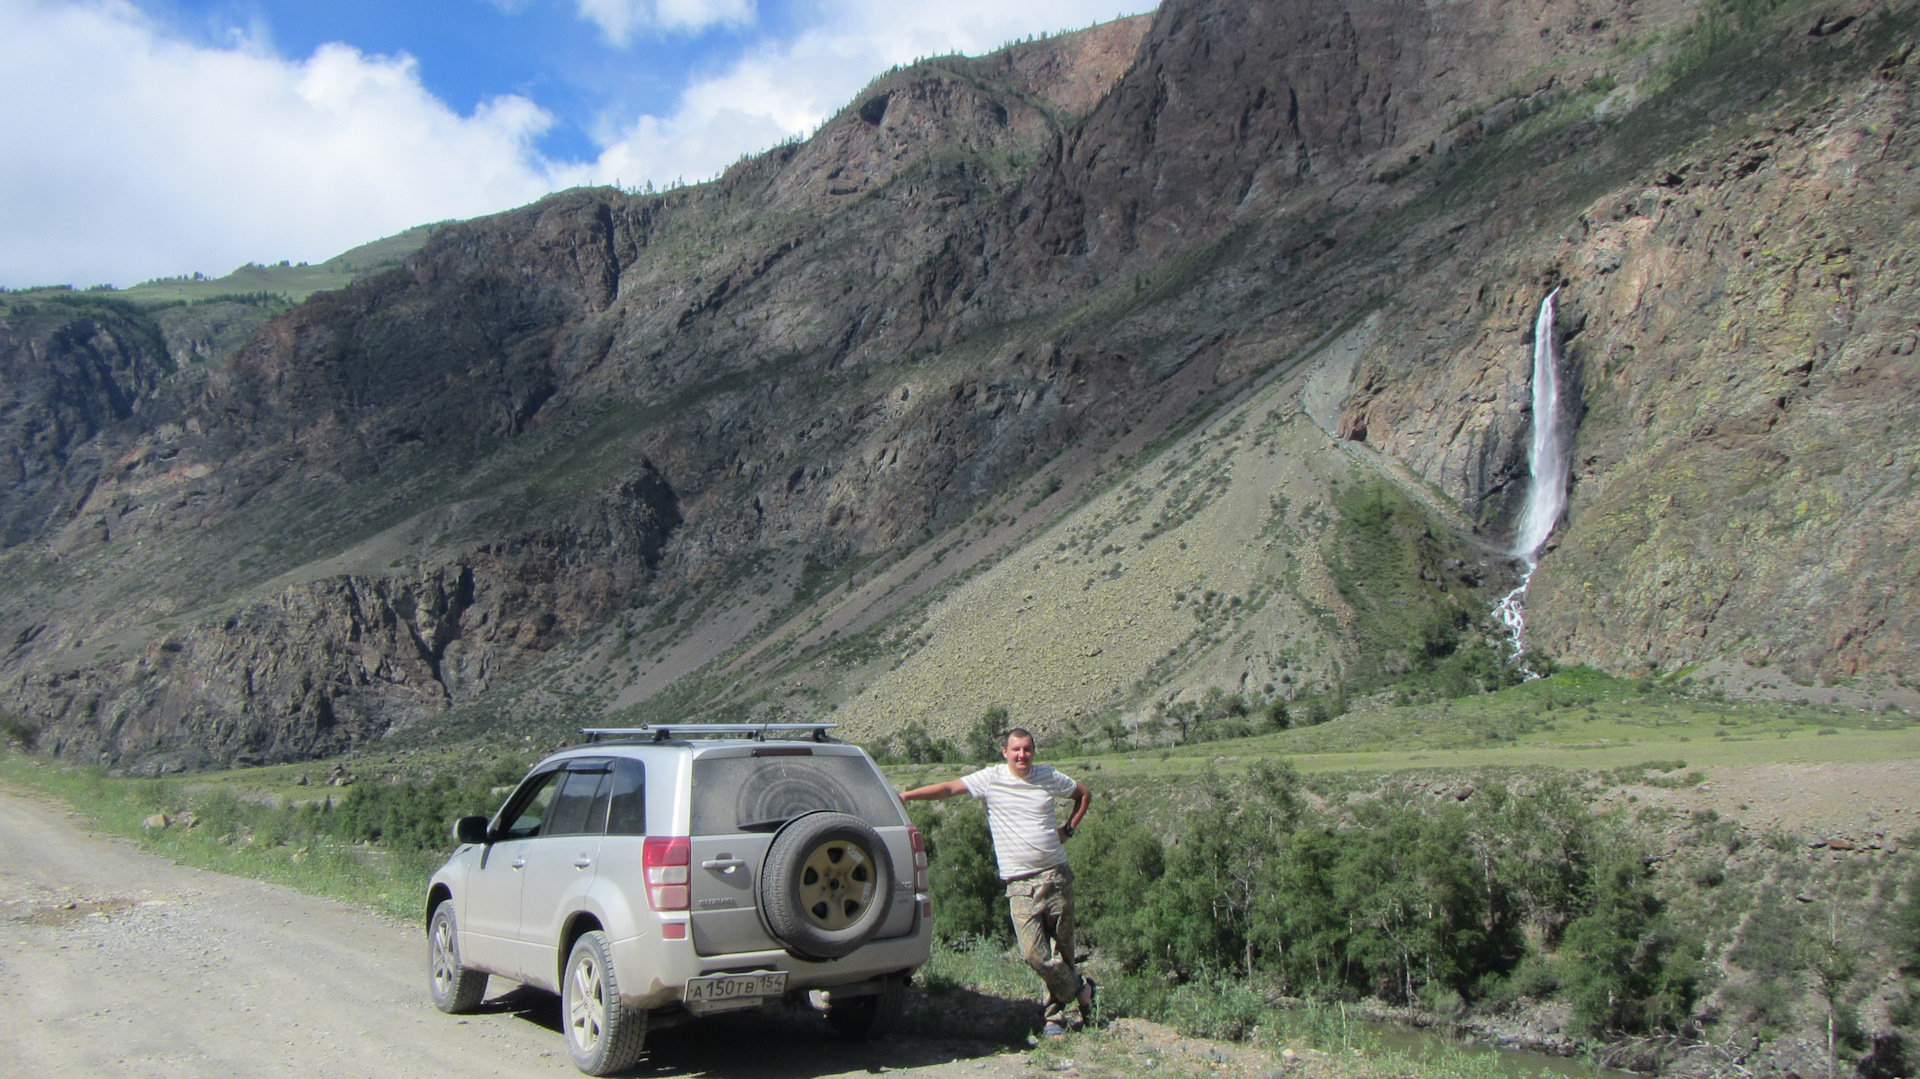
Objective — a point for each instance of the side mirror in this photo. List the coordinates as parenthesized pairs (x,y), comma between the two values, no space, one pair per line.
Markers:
(470,830)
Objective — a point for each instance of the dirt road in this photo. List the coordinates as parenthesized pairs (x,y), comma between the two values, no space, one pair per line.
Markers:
(119,963)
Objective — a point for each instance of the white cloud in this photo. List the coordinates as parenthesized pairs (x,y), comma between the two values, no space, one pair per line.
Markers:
(132,154)
(784,88)
(618,19)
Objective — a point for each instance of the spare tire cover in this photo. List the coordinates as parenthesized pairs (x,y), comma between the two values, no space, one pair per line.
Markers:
(826,885)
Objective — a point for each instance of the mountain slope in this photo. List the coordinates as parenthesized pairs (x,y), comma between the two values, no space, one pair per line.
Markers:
(1251,286)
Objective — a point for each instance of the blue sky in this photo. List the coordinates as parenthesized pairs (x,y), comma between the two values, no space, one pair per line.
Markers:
(148,138)
(473,50)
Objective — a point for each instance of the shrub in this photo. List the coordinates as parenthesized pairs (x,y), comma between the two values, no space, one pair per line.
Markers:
(915,745)
(1405,899)
(19,732)
(417,816)
(1906,928)
(1214,1007)
(989,734)
(1116,859)
(1626,969)
(1201,912)
(968,897)
(1538,977)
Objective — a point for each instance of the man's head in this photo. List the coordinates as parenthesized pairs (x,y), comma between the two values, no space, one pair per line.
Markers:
(1019,751)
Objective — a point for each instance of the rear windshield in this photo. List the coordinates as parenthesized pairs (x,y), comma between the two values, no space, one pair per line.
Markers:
(759,794)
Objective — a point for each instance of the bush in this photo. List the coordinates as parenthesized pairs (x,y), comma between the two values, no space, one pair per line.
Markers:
(1201,913)
(417,817)
(1214,1007)
(1138,996)
(915,745)
(19,732)
(1115,859)
(968,897)
(1906,928)
(1773,941)
(1405,899)
(1538,977)
(1626,969)
(989,734)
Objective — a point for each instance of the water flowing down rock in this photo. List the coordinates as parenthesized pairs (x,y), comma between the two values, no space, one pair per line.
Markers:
(1547,471)
(1547,463)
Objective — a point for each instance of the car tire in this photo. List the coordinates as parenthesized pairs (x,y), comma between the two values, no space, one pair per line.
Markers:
(455,989)
(826,885)
(604,1036)
(871,1018)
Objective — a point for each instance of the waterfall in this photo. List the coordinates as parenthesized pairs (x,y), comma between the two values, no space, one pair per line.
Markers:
(1547,469)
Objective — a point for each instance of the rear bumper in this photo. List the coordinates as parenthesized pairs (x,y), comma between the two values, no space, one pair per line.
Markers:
(653,973)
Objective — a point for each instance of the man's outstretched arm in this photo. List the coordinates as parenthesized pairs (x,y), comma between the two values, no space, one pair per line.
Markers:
(933,792)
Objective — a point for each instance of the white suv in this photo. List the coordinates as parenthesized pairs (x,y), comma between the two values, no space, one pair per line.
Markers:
(647,878)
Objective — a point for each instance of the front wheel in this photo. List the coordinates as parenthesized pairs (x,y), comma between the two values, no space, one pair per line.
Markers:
(604,1036)
(874,1017)
(454,988)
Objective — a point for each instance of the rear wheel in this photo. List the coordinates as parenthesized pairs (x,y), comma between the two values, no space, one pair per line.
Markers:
(604,1036)
(868,1018)
(454,988)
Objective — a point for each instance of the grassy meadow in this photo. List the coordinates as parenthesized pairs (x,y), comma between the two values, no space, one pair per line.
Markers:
(286,281)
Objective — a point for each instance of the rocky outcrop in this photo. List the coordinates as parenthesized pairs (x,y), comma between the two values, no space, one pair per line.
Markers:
(71,370)
(210,331)
(1743,458)
(322,666)
(1231,110)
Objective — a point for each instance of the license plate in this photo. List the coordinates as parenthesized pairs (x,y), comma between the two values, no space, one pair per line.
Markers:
(723,992)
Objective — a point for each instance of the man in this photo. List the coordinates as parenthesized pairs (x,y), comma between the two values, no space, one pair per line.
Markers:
(1033,861)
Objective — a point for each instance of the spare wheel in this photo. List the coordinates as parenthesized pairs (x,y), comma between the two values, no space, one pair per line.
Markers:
(826,885)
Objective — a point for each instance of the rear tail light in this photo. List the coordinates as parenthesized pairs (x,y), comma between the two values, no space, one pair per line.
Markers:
(919,843)
(666,859)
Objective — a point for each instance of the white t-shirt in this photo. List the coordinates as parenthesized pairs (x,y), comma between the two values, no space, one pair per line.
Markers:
(1020,814)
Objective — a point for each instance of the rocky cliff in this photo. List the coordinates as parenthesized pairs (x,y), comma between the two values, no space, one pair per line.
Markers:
(1220,317)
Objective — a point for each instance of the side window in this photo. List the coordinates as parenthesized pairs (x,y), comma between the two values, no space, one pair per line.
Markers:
(597,812)
(627,798)
(572,808)
(531,806)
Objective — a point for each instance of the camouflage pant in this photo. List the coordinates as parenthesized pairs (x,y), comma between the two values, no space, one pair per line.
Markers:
(1042,908)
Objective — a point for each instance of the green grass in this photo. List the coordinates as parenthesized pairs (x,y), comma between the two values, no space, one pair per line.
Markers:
(980,966)
(1577,719)
(289,281)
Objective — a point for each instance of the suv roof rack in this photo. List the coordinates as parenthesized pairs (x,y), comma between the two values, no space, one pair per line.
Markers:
(667,731)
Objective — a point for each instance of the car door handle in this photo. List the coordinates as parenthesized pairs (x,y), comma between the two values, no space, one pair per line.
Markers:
(724,865)
(582,862)
(519,863)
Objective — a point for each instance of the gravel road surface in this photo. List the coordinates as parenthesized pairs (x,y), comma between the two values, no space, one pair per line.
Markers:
(118,963)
